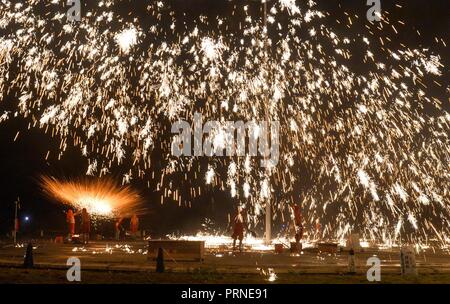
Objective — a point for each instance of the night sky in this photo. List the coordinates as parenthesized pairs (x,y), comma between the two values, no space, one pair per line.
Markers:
(22,161)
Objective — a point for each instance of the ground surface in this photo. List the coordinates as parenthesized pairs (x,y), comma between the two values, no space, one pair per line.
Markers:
(55,276)
(112,262)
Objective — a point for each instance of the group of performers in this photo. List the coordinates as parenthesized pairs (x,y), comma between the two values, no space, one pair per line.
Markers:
(120,229)
(85,227)
(295,228)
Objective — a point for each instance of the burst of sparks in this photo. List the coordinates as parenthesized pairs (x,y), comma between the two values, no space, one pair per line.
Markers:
(126,39)
(101,198)
(367,153)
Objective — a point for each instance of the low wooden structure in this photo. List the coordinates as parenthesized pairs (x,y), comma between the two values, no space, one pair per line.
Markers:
(177,250)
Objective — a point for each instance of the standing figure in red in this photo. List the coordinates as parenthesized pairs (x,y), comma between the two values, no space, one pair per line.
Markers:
(70,219)
(85,225)
(118,228)
(238,229)
(318,229)
(298,223)
(134,225)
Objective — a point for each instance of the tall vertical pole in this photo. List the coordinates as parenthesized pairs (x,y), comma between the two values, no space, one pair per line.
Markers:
(268,233)
(15,223)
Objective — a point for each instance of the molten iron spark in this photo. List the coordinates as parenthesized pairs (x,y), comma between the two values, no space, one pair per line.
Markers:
(101,198)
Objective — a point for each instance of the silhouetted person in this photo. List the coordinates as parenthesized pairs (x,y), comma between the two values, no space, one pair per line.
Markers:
(70,219)
(118,228)
(160,261)
(28,261)
(298,224)
(351,262)
(134,225)
(85,225)
(238,229)
(318,229)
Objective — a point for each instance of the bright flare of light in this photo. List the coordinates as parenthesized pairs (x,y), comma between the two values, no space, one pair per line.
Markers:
(254,243)
(102,198)
(126,39)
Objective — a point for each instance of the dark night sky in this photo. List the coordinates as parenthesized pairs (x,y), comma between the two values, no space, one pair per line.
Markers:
(21,162)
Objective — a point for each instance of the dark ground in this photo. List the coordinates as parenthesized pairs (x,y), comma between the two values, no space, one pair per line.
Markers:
(54,276)
(131,265)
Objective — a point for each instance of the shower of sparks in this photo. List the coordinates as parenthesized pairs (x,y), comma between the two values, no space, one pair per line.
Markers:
(370,150)
(101,198)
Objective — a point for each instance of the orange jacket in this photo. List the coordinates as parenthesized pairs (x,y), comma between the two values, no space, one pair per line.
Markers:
(70,217)
(134,224)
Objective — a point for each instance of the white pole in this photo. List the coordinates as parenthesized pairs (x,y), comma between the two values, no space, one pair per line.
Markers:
(268,223)
(268,233)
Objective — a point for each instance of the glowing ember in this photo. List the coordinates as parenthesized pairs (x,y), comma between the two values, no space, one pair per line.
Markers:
(272,275)
(102,198)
